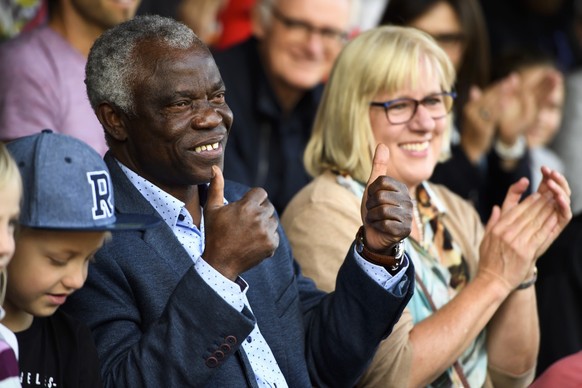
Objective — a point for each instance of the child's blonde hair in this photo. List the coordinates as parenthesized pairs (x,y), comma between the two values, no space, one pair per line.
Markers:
(8,174)
(8,168)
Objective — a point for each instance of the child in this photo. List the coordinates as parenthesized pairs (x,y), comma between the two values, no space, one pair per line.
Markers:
(10,193)
(65,217)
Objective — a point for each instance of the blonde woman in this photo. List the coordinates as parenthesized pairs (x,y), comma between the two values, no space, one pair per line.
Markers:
(472,320)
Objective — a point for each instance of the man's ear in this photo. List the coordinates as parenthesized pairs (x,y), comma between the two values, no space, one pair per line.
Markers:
(257,22)
(111,119)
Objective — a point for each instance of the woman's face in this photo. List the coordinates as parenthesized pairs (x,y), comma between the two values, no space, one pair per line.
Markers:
(443,24)
(415,146)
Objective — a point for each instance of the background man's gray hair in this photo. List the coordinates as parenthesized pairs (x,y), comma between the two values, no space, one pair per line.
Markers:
(266,11)
(112,65)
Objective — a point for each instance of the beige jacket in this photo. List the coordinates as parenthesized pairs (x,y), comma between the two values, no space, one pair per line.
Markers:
(321,222)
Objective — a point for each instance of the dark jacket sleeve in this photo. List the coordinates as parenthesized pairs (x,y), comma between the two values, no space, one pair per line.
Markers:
(345,329)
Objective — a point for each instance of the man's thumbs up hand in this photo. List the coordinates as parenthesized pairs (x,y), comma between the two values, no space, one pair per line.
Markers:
(386,206)
(241,234)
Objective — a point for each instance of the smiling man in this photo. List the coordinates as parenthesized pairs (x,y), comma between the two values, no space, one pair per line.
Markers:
(41,72)
(212,297)
(274,83)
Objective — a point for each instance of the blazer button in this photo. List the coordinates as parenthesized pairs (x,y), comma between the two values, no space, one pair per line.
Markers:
(231,340)
(225,348)
(219,355)
(211,362)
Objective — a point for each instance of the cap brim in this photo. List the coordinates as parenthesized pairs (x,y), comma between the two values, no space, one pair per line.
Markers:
(122,222)
(133,222)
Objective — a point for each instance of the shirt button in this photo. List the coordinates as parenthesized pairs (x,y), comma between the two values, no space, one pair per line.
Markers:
(249,339)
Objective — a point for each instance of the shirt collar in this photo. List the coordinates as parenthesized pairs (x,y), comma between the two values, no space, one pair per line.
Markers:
(168,206)
(165,204)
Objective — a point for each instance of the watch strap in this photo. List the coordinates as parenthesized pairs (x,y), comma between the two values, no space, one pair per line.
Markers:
(391,261)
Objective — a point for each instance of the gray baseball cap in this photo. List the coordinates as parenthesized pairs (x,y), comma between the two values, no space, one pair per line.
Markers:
(67,186)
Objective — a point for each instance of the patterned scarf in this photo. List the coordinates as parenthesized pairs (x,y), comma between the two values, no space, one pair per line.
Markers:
(438,242)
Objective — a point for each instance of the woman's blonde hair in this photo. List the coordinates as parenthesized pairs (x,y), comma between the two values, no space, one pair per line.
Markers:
(382,60)
(8,174)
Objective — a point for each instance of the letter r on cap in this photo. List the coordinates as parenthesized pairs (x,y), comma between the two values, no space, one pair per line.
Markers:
(102,204)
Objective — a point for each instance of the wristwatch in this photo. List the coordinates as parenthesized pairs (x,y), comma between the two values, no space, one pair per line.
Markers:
(391,260)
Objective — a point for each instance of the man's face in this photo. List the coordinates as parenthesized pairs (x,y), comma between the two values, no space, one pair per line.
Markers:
(298,46)
(105,13)
(181,118)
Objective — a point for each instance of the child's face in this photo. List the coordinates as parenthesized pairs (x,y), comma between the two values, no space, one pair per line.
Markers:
(9,211)
(47,267)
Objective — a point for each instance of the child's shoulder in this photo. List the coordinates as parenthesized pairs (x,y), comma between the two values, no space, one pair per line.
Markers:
(9,337)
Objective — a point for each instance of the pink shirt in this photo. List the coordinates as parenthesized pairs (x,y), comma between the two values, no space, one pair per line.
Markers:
(42,86)
(564,373)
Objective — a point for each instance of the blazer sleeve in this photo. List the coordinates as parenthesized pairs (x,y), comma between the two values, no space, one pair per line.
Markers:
(345,328)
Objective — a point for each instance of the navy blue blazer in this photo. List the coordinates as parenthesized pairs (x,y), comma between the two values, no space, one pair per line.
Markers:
(156,322)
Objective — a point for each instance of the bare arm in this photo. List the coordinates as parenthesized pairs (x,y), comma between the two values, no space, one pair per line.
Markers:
(515,326)
(509,249)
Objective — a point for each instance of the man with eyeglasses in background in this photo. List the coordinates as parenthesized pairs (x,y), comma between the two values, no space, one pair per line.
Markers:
(274,82)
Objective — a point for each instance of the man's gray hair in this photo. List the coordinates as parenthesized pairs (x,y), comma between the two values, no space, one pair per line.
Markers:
(112,64)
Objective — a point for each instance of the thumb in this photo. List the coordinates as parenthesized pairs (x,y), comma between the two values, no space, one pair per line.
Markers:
(495,215)
(514,194)
(216,189)
(379,167)
(379,163)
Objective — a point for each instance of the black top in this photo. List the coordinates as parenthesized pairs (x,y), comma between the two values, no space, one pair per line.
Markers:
(265,147)
(58,351)
(559,296)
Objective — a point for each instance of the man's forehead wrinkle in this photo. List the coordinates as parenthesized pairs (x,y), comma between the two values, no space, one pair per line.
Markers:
(153,54)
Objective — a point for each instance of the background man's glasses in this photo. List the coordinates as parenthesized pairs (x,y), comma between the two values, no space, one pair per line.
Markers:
(303,30)
(402,110)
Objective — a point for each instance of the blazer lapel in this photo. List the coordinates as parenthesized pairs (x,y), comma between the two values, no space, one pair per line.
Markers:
(161,239)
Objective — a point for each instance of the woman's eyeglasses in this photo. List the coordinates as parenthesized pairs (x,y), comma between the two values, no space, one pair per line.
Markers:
(402,110)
